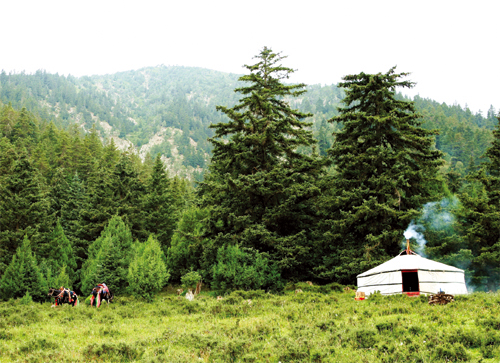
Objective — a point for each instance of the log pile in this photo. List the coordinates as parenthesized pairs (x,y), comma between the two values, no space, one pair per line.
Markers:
(440,299)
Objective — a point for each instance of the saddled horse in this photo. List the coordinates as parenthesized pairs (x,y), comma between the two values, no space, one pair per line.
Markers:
(98,295)
(64,299)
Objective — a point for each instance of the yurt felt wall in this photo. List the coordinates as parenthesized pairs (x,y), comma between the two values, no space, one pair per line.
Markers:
(420,275)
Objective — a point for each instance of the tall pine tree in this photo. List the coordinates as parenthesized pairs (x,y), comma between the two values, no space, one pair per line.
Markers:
(24,210)
(260,188)
(386,165)
(481,218)
(159,206)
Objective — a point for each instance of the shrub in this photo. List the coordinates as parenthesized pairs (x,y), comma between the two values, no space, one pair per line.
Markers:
(451,352)
(38,344)
(26,299)
(87,300)
(252,294)
(244,269)
(121,352)
(5,335)
(190,279)
(490,322)
(363,338)
(469,338)
(386,326)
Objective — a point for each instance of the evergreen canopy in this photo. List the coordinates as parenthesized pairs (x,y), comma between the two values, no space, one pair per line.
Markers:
(386,168)
(260,187)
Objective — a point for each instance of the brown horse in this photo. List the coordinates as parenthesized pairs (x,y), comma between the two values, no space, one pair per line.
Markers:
(64,299)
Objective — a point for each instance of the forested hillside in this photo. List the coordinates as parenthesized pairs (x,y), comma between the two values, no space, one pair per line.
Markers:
(96,180)
(60,189)
(168,110)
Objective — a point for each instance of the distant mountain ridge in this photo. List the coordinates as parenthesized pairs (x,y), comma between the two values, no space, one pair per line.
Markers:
(168,110)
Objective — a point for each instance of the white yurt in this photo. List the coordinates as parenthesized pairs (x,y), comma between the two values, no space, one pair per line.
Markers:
(412,274)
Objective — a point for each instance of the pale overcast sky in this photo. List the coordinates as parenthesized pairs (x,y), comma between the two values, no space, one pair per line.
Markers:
(450,47)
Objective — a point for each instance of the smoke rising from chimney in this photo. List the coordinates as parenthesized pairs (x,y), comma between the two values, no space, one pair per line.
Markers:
(437,216)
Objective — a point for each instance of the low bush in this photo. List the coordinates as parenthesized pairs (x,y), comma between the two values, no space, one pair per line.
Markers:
(120,352)
(37,345)
(252,294)
(490,322)
(451,352)
(239,268)
(363,338)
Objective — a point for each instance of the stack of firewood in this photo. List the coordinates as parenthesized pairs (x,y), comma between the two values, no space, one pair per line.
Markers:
(440,299)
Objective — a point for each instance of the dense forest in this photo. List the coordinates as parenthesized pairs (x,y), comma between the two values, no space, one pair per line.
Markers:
(294,182)
(168,110)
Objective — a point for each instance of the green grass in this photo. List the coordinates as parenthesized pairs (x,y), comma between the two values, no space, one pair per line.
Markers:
(307,327)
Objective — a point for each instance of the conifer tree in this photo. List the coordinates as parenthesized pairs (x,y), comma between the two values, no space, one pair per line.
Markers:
(25,131)
(7,157)
(109,258)
(24,210)
(59,252)
(160,212)
(481,218)
(8,117)
(260,187)
(92,150)
(110,155)
(101,204)
(71,218)
(23,275)
(186,249)
(147,273)
(62,279)
(59,189)
(128,192)
(385,165)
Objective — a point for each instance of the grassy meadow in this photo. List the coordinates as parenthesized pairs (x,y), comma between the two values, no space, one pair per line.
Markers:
(314,326)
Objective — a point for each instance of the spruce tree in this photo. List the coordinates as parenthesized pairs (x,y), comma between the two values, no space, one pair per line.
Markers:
(108,258)
(24,210)
(59,252)
(160,212)
(58,191)
(92,148)
(128,192)
(71,218)
(147,273)
(23,275)
(8,157)
(385,164)
(25,131)
(260,188)
(481,217)
(101,204)
(186,249)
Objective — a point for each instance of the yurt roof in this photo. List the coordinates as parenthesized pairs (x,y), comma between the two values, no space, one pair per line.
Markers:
(410,262)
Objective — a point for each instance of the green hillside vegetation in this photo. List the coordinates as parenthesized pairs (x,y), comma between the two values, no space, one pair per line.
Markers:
(139,104)
(319,325)
(299,186)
